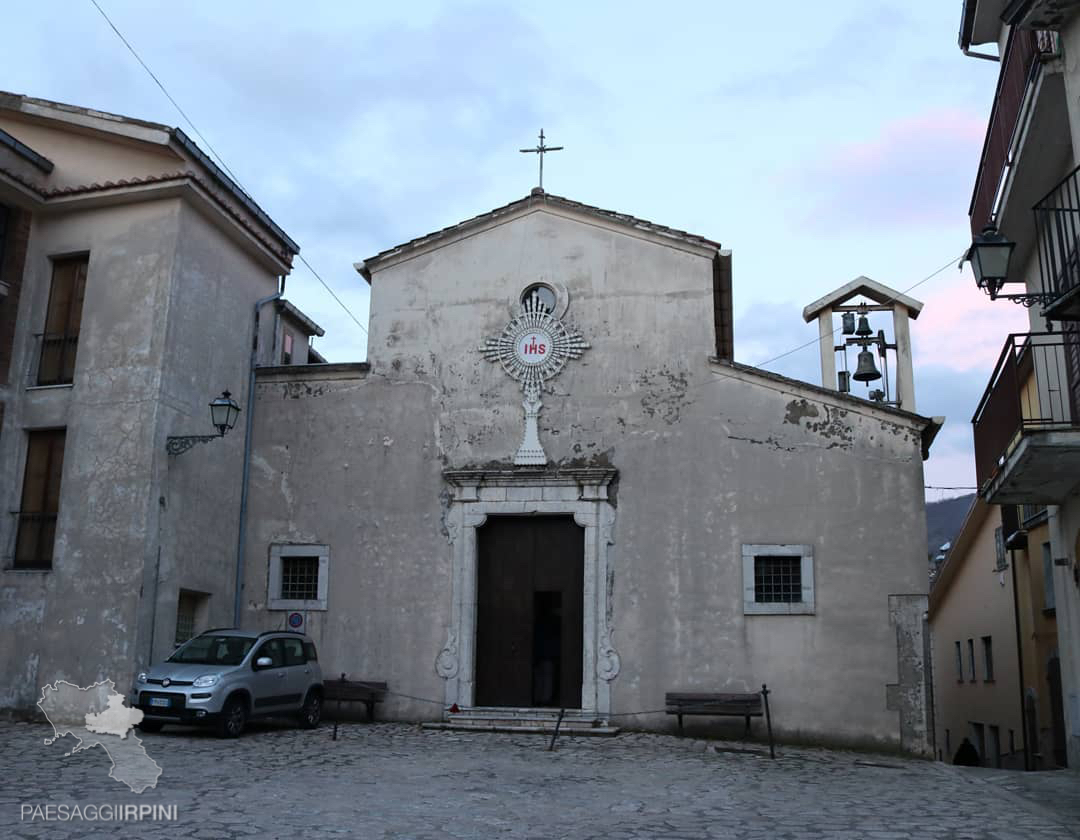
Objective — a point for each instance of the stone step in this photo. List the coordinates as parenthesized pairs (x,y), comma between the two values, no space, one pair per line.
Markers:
(497,713)
(520,725)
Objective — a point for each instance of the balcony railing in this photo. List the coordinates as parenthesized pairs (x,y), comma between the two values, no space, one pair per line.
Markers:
(35,534)
(1057,235)
(53,359)
(1020,67)
(1032,390)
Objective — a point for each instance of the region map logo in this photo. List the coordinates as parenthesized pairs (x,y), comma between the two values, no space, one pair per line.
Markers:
(95,716)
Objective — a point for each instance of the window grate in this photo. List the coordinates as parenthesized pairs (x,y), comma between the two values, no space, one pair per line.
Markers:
(185,617)
(777,580)
(300,578)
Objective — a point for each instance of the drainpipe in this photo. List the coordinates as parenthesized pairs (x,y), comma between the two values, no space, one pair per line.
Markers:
(967,51)
(242,528)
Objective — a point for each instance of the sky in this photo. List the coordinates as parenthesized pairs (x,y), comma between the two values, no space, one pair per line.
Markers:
(818,142)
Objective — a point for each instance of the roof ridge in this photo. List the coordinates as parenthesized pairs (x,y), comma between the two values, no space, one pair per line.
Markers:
(538,196)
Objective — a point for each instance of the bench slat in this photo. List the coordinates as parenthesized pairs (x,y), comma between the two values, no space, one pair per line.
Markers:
(699,703)
(696,709)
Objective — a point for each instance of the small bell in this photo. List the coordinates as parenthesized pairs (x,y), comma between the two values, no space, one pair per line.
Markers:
(863,329)
(867,371)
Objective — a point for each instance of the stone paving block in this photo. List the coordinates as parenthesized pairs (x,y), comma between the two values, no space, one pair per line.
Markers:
(394,780)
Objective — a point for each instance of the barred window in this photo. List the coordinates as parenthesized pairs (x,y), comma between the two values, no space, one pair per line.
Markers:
(185,618)
(300,578)
(777,580)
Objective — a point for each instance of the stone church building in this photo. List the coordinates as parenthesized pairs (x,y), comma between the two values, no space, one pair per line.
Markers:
(551,485)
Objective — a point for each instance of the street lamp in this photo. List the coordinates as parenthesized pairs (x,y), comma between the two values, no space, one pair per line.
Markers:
(223,414)
(989,254)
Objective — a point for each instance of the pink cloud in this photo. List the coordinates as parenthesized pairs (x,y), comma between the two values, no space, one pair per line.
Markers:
(916,170)
(960,328)
(922,135)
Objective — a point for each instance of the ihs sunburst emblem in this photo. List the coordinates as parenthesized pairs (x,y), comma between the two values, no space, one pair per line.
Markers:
(534,347)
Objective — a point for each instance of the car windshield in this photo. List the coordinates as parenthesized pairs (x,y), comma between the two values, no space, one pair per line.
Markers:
(214,650)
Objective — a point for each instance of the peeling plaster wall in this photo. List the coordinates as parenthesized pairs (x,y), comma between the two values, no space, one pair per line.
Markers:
(709,457)
(166,326)
(197,498)
(78,621)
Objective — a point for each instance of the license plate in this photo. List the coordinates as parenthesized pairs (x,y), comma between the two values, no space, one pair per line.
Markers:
(159,701)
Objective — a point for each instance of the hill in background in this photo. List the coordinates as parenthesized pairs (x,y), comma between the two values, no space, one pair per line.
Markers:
(943,520)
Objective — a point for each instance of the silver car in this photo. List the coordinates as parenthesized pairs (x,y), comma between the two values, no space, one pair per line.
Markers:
(223,678)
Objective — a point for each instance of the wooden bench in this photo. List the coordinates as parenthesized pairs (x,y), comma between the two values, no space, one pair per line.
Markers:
(354,691)
(744,705)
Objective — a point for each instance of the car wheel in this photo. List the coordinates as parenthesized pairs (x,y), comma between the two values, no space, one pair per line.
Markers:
(311,711)
(150,726)
(233,718)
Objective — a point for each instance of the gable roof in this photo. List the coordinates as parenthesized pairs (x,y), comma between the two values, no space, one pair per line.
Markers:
(40,162)
(98,123)
(536,198)
(877,292)
(303,321)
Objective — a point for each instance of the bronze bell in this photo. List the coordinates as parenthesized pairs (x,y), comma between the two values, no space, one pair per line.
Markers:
(867,371)
(863,329)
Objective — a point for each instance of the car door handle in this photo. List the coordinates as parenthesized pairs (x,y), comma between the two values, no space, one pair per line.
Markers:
(281,675)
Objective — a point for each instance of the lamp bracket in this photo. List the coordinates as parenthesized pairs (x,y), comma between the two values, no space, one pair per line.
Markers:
(177,445)
(1027,299)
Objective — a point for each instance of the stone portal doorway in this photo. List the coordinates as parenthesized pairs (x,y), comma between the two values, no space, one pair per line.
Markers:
(530,612)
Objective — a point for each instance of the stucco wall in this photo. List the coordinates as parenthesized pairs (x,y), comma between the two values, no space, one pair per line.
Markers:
(709,457)
(1065,539)
(1038,627)
(212,292)
(978,602)
(78,621)
(166,325)
(83,158)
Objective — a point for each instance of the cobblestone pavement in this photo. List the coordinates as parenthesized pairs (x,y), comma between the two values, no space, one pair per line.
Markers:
(394,780)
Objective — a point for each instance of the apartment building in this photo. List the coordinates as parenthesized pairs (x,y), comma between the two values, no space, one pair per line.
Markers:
(130,266)
(1025,223)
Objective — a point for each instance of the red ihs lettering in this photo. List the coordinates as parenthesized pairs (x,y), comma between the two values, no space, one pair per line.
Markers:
(531,346)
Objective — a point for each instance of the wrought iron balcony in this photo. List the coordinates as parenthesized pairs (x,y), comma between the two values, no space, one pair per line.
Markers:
(1020,67)
(1057,231)
(1027,426)
(53,359)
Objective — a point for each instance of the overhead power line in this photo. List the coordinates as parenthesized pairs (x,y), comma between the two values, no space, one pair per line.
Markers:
(214,152)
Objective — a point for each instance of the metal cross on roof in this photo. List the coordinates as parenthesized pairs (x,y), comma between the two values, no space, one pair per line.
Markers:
(540,150)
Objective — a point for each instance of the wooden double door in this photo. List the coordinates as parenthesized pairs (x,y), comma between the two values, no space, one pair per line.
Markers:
(530,612)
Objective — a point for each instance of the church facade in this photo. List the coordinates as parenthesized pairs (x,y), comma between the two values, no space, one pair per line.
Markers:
(551,486)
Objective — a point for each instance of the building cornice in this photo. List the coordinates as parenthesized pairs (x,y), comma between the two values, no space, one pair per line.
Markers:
(150,188)
(312,373)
